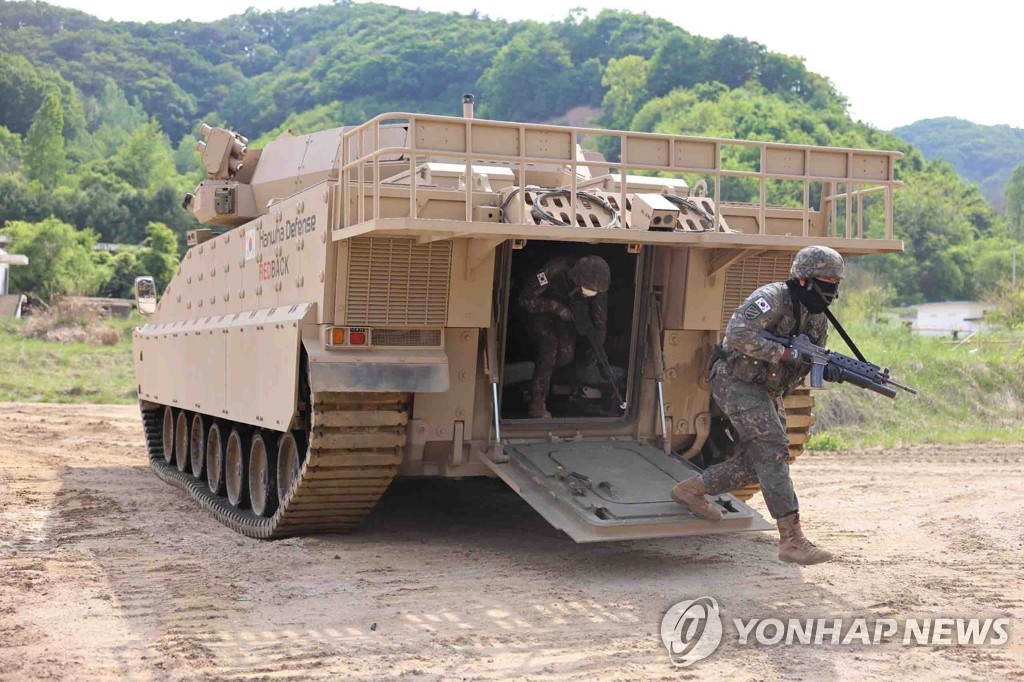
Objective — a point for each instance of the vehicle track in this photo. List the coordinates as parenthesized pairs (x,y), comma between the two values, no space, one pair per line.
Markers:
(354,450)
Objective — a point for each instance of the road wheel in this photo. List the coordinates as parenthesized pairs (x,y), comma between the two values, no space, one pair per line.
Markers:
(236,468)
(289,463)
(262,478)
(181,441)
(215,459)
(168,435)
(197,445)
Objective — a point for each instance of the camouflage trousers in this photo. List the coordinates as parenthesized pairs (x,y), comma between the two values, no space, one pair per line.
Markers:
(555,344)
(762,453)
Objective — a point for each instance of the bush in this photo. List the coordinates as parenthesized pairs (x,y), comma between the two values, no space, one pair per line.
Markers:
(61,260)
(826,441)
(72,321)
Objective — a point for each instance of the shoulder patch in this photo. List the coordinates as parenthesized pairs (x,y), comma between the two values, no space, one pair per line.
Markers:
(542,278)
(751,312)
(763,304)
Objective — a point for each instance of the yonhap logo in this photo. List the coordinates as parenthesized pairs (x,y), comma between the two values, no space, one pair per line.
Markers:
(691,630)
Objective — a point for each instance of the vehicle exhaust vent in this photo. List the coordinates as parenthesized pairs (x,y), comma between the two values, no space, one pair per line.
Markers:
(407,338)
(397,283)
(742,278)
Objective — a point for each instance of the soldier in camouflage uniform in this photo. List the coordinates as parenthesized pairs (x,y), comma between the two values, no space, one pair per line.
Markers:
(749,380)
(545,297)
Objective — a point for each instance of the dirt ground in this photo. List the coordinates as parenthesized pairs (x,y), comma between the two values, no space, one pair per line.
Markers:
(106,571)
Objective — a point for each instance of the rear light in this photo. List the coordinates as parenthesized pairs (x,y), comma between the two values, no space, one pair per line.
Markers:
(347,337)
(367,338)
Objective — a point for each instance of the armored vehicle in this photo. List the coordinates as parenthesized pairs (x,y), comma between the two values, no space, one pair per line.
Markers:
(348,314)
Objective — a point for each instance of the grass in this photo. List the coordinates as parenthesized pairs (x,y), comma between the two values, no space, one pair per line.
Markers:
(35,370)
(973,393)
(967,394)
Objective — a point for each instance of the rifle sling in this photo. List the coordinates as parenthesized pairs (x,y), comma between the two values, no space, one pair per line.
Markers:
(842,333)
(792,285)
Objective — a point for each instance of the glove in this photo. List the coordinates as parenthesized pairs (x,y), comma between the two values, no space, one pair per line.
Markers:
(564,314)
(791,357)
(833,373)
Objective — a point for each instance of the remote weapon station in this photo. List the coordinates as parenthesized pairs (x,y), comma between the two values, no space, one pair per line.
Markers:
(349,314)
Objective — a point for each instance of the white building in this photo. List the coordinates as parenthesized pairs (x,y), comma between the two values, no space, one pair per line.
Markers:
(949,317)
(10,305)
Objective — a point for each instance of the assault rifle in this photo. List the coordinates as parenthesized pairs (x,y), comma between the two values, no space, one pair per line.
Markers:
(585,327)
(844,368)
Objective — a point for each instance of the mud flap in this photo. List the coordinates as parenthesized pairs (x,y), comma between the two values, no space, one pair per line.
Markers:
(613,490)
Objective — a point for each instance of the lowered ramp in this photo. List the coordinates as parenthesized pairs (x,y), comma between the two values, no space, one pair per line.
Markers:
(597,490)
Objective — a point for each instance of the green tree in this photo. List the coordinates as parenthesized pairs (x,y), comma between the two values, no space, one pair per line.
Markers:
(531,78)
(114,120)
(10,150)
(22,90)
(612,34)
(124,268)
(24,86)
(678,63)
(16,201)
(61,260)
(1015,203)
(186,158)
(939,223)
(626,83)
(45,160)
(734,61)
(144,160)
(159,256)
(991,260)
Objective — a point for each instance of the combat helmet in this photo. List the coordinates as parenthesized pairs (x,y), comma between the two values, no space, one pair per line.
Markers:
(815,262)
(592,273)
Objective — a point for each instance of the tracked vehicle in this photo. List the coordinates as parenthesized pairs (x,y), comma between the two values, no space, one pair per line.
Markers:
(348,314)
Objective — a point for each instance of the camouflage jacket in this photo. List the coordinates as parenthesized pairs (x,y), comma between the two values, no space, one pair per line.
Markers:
(756,360)
(548,291)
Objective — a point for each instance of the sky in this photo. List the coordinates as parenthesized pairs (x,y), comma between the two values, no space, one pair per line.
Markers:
(895,62)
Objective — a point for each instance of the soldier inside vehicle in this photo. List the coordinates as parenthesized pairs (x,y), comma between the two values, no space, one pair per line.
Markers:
(563,297)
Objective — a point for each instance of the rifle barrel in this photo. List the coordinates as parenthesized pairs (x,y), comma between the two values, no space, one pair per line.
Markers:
(856,379)
(908,389)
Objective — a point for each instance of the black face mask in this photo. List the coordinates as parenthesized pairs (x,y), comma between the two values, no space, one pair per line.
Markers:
(816,295)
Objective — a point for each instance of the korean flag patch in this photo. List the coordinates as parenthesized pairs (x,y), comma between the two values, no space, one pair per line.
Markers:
(542,278)
(755,309)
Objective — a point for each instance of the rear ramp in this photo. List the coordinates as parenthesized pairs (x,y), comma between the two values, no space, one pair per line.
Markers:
(597,490)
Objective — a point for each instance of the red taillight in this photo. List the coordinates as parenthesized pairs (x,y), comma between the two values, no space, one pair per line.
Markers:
(357,338)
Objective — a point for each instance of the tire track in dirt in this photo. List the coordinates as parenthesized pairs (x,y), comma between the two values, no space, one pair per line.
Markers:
(107,572)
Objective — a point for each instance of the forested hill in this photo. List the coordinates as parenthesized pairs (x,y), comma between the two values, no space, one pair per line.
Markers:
(986,155)
(256,69)
(97,118)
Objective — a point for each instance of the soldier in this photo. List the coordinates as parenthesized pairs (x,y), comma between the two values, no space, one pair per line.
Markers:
(546,298)
(749,380)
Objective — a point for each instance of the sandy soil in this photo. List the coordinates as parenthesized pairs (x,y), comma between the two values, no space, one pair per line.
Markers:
(106,571)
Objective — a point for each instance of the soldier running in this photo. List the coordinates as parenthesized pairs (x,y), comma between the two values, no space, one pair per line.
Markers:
(545,298)
(749,380)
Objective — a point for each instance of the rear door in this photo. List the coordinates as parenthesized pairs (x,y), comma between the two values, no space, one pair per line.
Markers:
(598,490)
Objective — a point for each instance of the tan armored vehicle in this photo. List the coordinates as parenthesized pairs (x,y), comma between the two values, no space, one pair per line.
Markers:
(349,315)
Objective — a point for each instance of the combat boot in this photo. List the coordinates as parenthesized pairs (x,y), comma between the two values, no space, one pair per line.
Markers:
(690,493)
(794,548)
